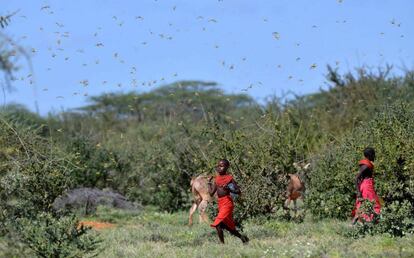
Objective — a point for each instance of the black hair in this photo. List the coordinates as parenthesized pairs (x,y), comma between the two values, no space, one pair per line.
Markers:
(226,162)
(369,152)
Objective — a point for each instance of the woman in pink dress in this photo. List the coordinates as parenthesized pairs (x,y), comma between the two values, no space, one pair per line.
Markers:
(365,187)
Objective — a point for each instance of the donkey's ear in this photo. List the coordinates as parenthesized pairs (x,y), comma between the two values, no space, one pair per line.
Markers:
(307,166)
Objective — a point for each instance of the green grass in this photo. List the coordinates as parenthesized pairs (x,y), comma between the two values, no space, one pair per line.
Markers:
(150,233)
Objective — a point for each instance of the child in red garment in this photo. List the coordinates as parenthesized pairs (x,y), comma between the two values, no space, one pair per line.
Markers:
(365,188)
(224,219)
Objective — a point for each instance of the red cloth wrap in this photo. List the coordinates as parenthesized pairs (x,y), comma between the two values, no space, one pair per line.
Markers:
(367,163)
(223,180)
(367,190)
(225,214)
(225,205)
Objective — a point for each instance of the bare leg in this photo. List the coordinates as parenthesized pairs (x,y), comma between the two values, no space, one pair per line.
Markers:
(235,233)
(354,220)
(220,233)
(192,210)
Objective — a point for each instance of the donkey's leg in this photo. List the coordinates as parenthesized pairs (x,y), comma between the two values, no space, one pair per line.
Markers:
(192,210)
(287,203)
(202,211)
(295,207)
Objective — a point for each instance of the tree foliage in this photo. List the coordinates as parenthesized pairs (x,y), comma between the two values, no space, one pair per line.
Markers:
(33,173)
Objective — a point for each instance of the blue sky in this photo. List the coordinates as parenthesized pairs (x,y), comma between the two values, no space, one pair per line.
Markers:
(81,48)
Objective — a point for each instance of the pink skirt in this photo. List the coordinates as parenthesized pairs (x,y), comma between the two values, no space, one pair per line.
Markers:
(367,190)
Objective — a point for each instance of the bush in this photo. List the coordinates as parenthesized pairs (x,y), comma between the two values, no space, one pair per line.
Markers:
(332,181)
(33,174)
(162,181)
(97,166)
(260,160)
(49,236)
(395,220)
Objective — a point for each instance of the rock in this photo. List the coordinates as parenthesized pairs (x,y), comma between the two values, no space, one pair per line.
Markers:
(88,199)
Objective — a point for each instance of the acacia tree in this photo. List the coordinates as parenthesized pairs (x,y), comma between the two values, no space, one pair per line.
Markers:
(191,100)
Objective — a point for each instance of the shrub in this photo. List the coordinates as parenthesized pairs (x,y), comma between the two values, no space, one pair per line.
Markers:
(162,180)
(96,165)
(161,166)
(33,174)
(332,181)
(395,220)
(261,160)
(49,236)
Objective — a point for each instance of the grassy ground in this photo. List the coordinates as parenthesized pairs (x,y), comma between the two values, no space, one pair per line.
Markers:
(153,234)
